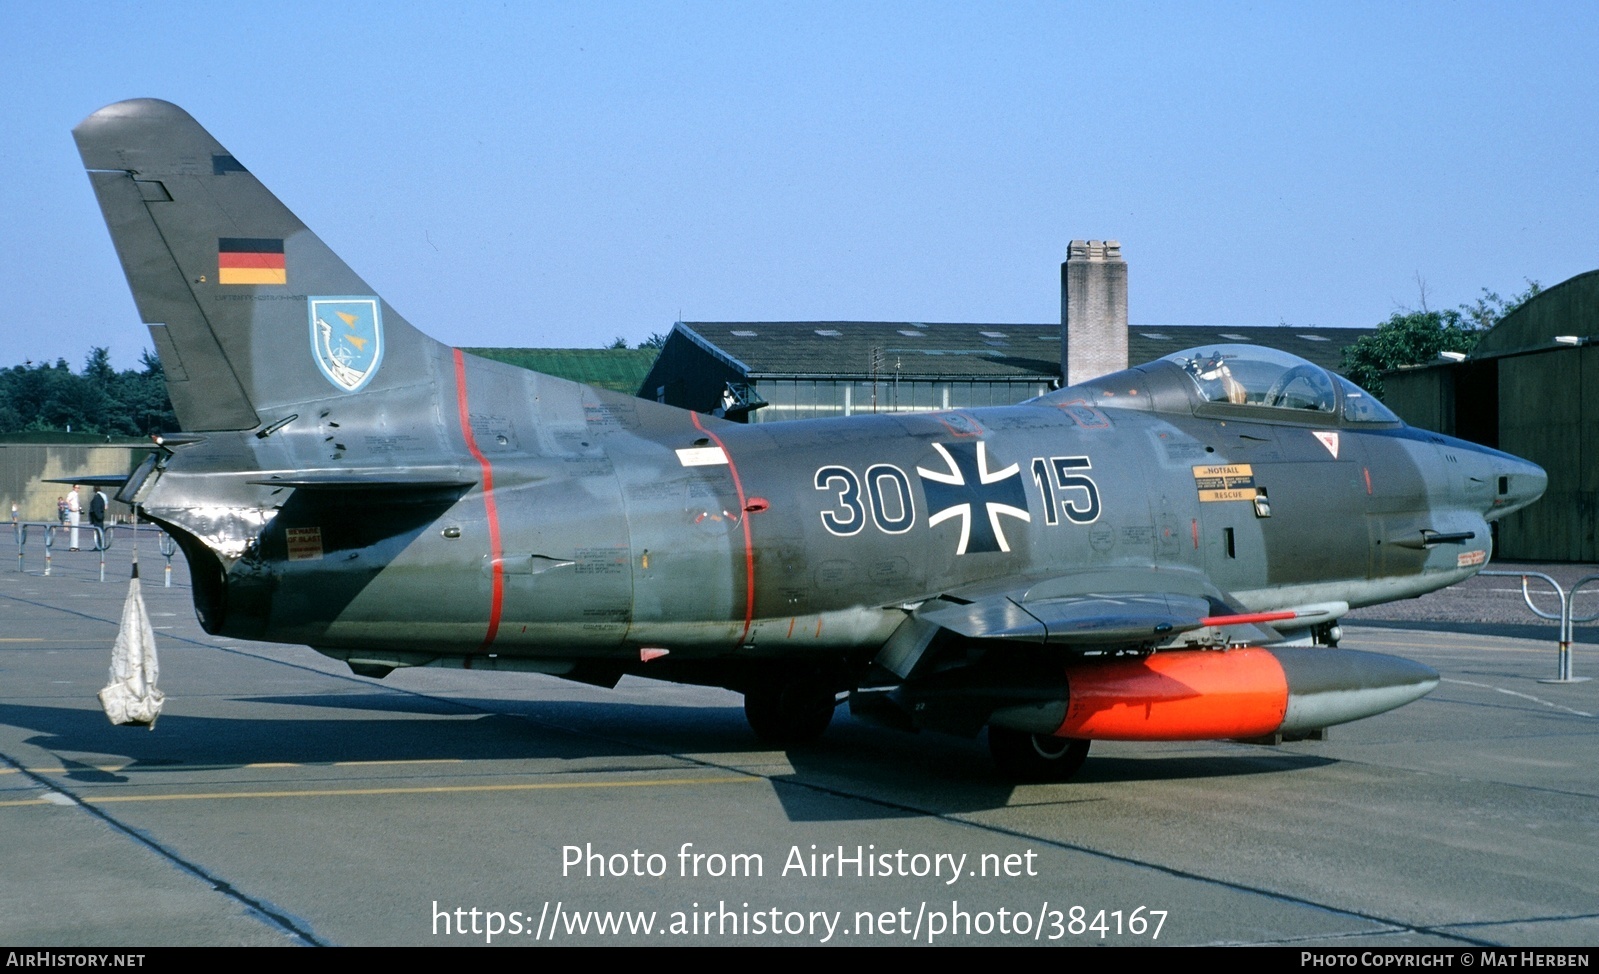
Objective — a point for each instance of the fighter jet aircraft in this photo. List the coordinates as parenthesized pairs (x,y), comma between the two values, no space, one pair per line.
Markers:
(1110,561)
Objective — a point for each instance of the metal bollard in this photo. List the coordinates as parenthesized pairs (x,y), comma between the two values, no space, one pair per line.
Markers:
(1565,618)
(168,549)
(49,539)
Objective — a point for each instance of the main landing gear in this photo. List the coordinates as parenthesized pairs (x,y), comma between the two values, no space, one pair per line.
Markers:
(796,710)
(1035,757)
(789,712)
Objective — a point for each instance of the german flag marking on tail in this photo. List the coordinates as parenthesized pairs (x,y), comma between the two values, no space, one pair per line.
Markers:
(251,260)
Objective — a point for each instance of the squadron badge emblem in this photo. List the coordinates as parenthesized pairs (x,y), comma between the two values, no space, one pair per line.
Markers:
(347,339)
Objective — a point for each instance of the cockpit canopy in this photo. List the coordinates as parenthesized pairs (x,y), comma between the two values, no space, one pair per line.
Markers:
(1280,386)
(1251,376)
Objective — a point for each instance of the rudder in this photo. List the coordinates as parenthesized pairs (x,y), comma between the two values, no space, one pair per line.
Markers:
(250,312)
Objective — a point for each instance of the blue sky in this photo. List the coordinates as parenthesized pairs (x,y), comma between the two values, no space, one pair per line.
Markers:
(559,174)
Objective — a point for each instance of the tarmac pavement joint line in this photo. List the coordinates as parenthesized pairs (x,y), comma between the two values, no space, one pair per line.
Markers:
(258,765)
(260,909)
(1524,696)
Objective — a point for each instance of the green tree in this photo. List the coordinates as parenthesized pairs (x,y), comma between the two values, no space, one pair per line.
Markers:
(97,393)
(1417,337)
(145,408)
(657,341)
(48,397)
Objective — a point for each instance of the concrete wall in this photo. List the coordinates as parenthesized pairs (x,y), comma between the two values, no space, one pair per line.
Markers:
(24,468)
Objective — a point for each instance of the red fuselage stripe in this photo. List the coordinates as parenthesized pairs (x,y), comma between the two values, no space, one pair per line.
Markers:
(1252,617)
(496,570)
(744,521)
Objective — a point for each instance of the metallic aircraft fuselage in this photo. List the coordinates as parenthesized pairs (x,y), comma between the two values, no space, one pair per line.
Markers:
(1103,561)
(607,534)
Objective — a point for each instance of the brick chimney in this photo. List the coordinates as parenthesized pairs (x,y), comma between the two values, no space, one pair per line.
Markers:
(1093,310)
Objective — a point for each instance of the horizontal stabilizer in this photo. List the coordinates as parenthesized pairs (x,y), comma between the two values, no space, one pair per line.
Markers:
(383,479)
(106,480)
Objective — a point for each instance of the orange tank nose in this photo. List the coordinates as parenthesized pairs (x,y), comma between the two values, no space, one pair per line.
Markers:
(1248,692)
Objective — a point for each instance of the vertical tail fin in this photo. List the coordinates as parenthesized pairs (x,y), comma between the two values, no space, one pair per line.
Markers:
(250,312)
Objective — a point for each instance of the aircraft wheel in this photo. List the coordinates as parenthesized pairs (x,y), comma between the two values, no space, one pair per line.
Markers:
(1036,757)
(792,712)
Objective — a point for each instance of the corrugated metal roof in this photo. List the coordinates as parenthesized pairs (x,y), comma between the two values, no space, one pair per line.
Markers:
(830,348)
(1323,346)
(621,369)
(990,350)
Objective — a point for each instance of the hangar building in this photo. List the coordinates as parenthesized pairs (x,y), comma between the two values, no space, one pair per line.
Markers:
(765,371)
(1530,387)
(777,370)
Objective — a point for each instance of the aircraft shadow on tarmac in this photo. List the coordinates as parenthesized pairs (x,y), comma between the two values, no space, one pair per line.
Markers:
(889,774)
(920,773)
(851,749)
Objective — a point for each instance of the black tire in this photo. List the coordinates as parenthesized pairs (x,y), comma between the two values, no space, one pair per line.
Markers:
(789,713)
(1036,757)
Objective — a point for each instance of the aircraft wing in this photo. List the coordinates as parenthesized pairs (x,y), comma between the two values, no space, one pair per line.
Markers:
(1094,611)
(1091,619)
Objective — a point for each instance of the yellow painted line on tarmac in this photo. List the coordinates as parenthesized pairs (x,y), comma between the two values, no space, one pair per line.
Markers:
(363,792)
(265,765)
(355,764)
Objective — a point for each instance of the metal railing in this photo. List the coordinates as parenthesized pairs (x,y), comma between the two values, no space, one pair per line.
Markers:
(103,538)
(1566,619)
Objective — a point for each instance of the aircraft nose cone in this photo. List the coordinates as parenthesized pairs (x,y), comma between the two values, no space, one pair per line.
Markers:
(1333,686)
(1519,483)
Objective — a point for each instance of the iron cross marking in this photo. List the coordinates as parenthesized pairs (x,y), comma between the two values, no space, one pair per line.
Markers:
(977,495)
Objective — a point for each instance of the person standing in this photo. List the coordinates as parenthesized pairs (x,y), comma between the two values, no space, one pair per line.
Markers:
(97,516)
(74,512)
